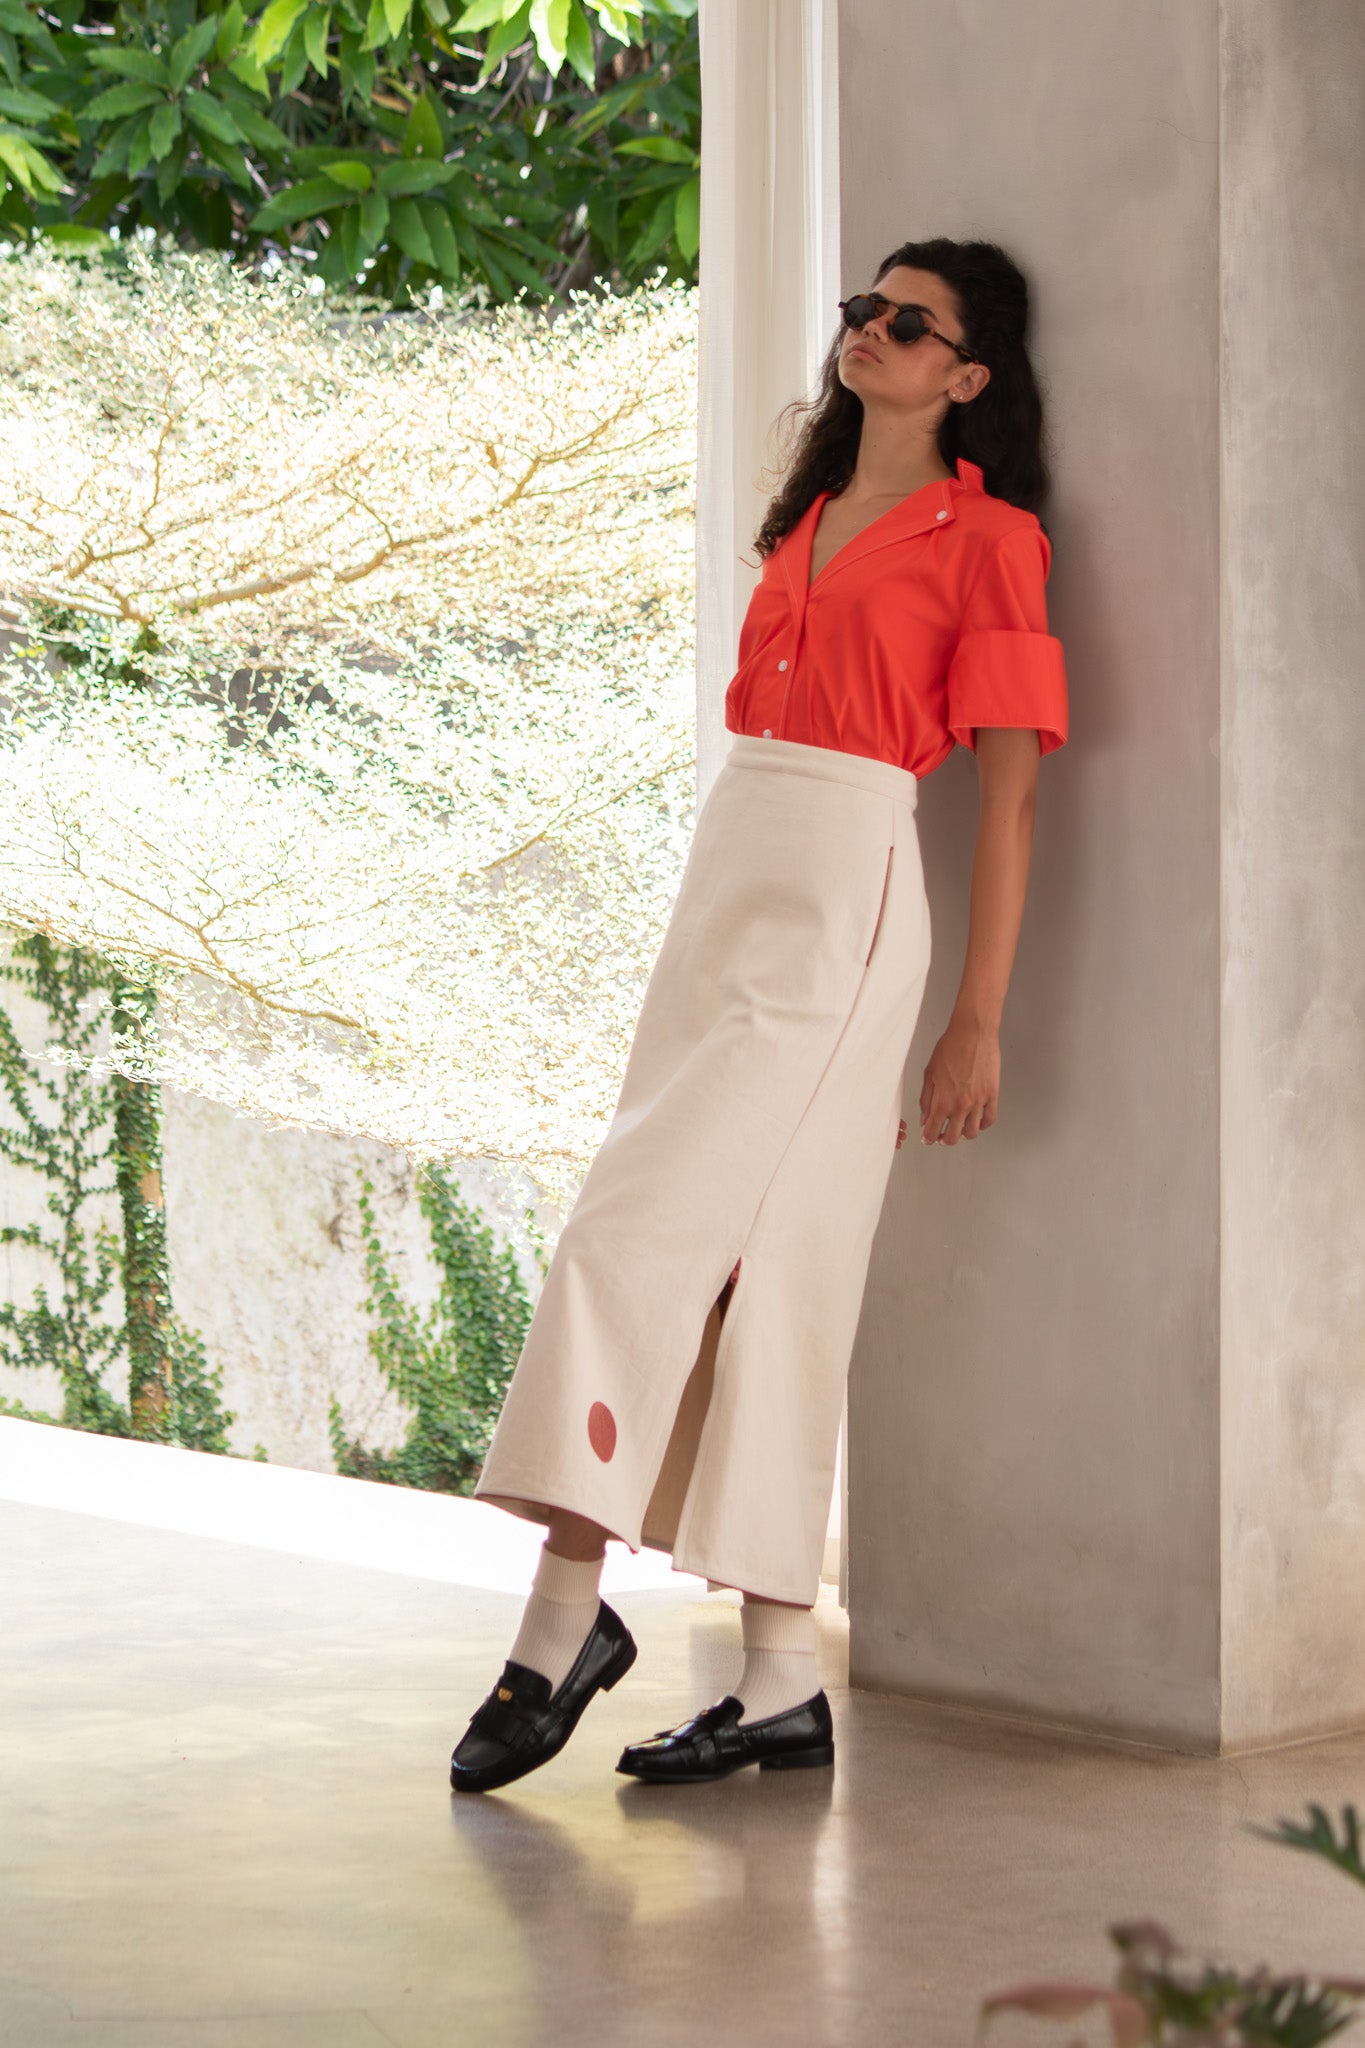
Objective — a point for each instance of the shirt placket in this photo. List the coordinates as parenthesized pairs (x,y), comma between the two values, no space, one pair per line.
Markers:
(799,589)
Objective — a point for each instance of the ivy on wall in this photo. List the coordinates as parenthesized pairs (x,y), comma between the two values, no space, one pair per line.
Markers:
(452,1365)
(87,1139)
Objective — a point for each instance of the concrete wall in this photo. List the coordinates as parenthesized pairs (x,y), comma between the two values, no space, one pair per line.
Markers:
(1051,1439)
(1293,868)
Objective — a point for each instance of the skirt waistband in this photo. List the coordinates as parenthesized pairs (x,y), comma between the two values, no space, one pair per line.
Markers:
(794,757)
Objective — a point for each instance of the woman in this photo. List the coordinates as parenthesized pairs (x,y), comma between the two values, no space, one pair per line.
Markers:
(683,1375)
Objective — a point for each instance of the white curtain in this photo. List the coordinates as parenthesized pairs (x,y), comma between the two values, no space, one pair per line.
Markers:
(769,282)
(769,285)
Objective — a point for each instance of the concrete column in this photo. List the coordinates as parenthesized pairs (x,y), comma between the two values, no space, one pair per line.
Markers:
(1293,839)
(1107,1405)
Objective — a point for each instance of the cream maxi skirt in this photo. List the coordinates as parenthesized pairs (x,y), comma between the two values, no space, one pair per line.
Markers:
(756,1123)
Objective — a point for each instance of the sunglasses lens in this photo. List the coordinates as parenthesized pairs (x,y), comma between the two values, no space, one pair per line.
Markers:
(906,325)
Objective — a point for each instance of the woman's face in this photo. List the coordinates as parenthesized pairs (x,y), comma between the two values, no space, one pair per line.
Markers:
(917,376)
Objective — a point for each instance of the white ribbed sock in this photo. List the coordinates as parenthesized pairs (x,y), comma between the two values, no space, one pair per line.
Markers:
(779,1658)
(558,1615)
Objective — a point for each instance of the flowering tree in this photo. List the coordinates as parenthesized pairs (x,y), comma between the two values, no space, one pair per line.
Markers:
(347,695)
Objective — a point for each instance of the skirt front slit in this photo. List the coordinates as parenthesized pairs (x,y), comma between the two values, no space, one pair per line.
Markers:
(755,1128)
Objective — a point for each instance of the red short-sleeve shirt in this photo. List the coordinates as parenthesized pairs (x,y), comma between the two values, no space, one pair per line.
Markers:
(929,623)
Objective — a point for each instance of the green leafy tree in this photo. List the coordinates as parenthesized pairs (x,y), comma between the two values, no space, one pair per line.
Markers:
(514,144)
(86,1139)
(450,1366)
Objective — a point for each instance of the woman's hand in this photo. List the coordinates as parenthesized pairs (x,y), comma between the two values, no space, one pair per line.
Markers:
(961,1084)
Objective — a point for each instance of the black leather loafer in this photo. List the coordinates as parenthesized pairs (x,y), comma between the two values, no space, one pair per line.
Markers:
(714,1743)
(521,1726)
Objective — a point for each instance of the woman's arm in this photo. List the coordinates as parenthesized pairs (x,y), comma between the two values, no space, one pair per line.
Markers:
(962,1078)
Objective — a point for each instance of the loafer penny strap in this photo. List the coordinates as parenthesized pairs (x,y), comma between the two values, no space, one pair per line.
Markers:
(508,1714)
(705,1735)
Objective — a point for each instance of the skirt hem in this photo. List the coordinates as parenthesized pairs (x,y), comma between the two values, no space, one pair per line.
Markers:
(688,1557)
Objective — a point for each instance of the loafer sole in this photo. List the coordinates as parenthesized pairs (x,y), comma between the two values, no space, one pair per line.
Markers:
(788,1760)
(521,1766)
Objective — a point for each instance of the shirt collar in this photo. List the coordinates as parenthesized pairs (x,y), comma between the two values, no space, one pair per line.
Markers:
(932,505)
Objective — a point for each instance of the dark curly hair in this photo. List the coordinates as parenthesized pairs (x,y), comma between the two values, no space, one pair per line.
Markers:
(1001,429)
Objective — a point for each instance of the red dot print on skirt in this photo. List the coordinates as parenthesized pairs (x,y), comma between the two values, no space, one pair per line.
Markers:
(602,1431)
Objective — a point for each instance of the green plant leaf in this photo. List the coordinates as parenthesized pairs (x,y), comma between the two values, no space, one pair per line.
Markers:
(578,47)
(140,146)
(396,14)
(549,26)
(293,64)
(408,230)
(129,63)
(117,100)
(316,28)
(349,235)
(258,128)
(114,155)
(273,30)
(68,234)
(422,136)
(15,159)
(604,215)
(229,31)
(654,235)
(400,176)
(530,245)
(490,263)
(665,149)
(21,103)
(687,218)
(483,13)
(615,18)
(512,259)
(171,167)
(299,202)
(374,219)
(1319,1839)
(511,31)
(441,235)
(249,73)
(346,171)
(229,158)
(190,51)
(163,128)
(211,117)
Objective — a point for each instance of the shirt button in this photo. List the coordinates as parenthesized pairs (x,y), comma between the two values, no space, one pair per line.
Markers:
(767,732)
(782,664)
(940,515)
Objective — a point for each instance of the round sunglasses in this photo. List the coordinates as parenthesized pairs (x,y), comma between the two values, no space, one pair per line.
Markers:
(908,325)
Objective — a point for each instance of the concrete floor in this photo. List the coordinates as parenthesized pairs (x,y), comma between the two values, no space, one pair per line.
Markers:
(226,1825)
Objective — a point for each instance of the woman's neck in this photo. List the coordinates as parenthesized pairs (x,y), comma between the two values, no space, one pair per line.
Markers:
(892,465)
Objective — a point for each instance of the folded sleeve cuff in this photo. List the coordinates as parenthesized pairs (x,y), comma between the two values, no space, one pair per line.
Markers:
(1002,677)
